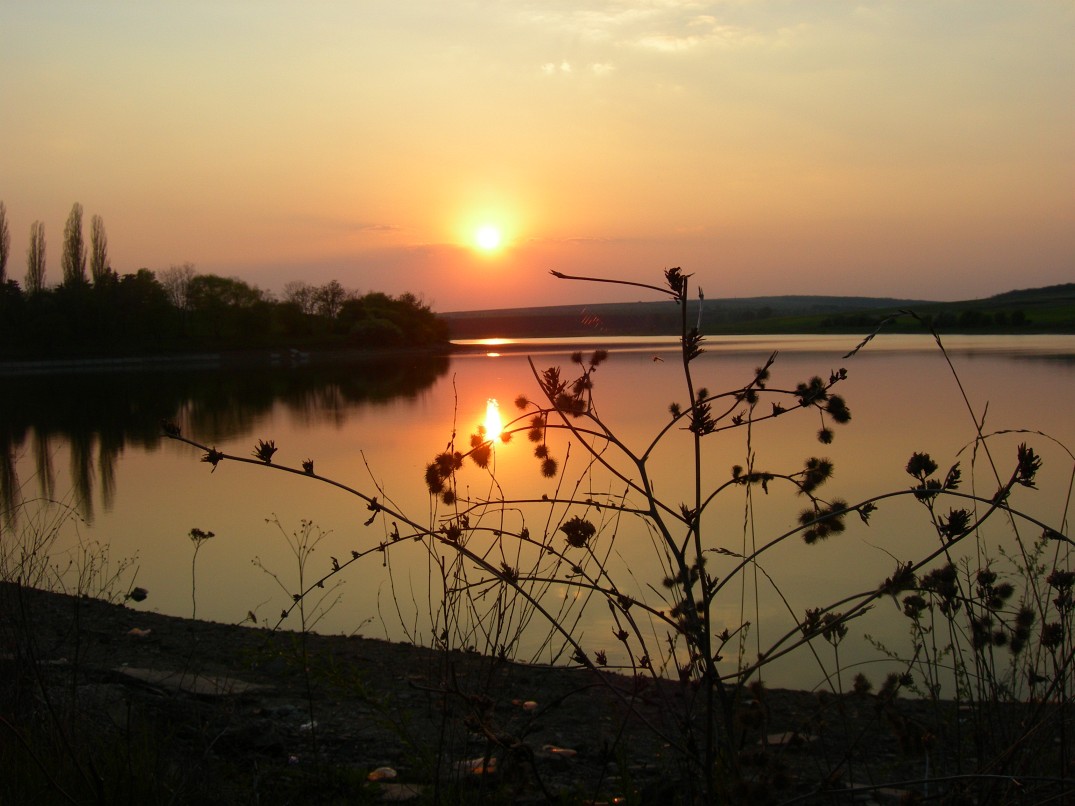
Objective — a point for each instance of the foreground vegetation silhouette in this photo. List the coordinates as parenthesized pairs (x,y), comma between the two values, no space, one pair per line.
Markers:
(988,662)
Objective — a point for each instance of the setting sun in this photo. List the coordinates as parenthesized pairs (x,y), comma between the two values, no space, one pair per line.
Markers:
(487,237)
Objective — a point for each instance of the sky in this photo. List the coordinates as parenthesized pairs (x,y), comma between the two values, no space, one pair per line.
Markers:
(908,148)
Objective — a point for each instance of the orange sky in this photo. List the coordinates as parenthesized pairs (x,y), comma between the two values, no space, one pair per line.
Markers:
(915,149)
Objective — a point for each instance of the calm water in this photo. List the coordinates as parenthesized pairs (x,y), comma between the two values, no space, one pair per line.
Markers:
(94,440)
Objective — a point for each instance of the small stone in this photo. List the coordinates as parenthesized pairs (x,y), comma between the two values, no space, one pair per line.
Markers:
(477,766)
(560,752)
(399,793)
(790,738)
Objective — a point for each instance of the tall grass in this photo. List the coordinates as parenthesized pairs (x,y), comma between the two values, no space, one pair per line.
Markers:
(42,546)
(55,744)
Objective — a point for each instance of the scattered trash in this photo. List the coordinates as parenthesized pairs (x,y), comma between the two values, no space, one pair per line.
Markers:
(884,794)
(292,759)
(788,739)
(562,752)
(477,766)
(306,727)
(399,793)
(187,681)
(382,774)
(137,632)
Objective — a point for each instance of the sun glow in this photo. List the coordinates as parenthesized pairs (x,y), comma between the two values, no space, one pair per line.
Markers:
(489,225)
(488,237)
(493,424)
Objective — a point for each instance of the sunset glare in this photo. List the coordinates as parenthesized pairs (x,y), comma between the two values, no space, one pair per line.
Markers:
(460,151)
(488,238)
(493,424)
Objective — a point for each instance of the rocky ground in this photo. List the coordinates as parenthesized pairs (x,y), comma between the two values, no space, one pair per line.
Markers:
(208,712)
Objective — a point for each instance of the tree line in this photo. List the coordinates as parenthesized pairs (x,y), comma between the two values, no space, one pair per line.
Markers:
(103,313)
(966,319)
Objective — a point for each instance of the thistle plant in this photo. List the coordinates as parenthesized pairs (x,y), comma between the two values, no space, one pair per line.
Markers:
(506,565)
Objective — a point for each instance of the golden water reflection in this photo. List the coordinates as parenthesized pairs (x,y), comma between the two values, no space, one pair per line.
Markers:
(902,397)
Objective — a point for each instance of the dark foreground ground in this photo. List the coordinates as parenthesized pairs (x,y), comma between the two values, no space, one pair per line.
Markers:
(108,704)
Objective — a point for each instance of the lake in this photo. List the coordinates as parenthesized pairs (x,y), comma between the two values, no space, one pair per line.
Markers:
(93,441)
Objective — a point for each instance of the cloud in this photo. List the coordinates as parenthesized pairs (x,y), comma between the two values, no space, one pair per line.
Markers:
(699,32)
(565,68)
(378,227)
(552,68)
(578,240)
(666,26)
(330,223)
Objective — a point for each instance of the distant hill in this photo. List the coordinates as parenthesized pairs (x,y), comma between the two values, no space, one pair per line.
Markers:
(1050,294)
(1051,309)
(652,318)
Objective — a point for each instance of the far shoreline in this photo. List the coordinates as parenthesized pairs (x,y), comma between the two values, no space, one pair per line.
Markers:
(264,358)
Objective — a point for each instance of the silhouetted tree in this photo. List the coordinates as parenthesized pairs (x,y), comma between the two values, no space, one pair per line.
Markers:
(944,319)
(329,298)
(143,310)
(302,294)
(74,248)
(226,308)
(12,310)
(176,282)
(208,291)
(99,268)
(5,243)
(378,320)
(35,259)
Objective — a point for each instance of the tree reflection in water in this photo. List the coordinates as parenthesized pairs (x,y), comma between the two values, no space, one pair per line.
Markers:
(96,415)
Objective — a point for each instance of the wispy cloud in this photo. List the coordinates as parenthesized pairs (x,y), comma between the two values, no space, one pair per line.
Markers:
(667,26)
(336,224)
(553,68)
(699,32)
(579,240)
(566,68)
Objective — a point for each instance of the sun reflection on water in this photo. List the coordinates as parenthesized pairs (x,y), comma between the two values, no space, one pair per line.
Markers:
(493,424)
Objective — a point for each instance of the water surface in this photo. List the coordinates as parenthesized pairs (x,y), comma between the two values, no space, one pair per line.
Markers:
(95,441)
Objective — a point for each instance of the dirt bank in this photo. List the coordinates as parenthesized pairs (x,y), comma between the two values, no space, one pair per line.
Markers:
(237,714)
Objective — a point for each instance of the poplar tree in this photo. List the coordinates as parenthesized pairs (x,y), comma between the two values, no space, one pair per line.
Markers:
(74,248)
(35,259)
(98,250)
(5,242)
